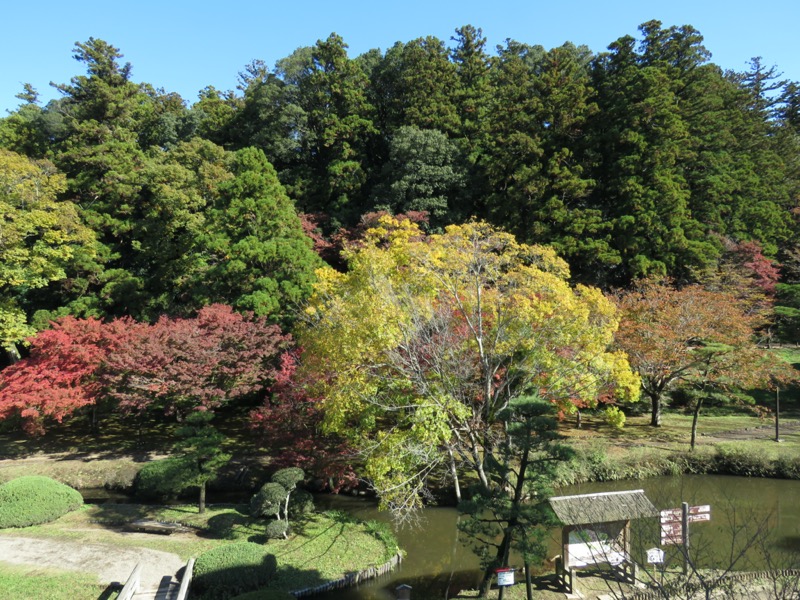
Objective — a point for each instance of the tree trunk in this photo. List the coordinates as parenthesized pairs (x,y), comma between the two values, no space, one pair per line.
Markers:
(12,354)
(454,473)
(202,497)
(655,415)
(528,587)
(695,418)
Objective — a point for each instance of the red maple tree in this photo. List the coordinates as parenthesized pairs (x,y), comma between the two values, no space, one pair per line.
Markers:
(58,377)
(173,366)
(179,365)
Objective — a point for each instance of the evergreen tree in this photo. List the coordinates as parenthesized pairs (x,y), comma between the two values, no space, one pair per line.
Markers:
(259,257)
(333,94)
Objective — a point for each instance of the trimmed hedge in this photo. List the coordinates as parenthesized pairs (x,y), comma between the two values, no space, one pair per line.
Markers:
(232,569)
(33,500)
(276,530)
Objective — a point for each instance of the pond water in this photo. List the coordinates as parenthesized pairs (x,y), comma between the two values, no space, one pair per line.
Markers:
(757,515)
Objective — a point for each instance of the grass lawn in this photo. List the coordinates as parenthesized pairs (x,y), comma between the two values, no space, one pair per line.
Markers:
(34,583)
(324,546)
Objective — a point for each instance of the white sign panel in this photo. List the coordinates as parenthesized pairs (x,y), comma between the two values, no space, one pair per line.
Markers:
(505,577)
(655,556)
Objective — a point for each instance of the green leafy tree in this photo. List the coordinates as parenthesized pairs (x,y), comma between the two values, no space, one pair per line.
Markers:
(181,188)
(513,514)
(103,162)
(423,173)
(641,184)
(415,85)
(472,96)
(32,130)
(538,163)
(269,117)
(332,92)
(41,237)
(262,260)
(201,449)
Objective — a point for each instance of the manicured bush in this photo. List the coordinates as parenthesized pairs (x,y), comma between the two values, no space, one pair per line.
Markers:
(32,500)
(276,530)
(288,477)
(164,478)
(301,503)
(226,571)
(268,501)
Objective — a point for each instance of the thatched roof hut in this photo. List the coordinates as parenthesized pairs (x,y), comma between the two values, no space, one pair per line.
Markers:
(596,530)
(605,507)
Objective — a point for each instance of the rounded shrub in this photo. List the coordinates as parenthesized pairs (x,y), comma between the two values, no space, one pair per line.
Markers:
(32,500)
(301,503)
(232,569)
(268,501)
(276,530)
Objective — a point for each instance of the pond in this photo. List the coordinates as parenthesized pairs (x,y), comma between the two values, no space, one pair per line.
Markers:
(751,517)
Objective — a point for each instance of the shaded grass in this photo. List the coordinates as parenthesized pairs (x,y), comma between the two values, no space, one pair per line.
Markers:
(323,546)
(22,582)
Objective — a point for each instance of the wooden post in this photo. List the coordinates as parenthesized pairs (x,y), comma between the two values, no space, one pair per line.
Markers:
(777,414)
(685,535)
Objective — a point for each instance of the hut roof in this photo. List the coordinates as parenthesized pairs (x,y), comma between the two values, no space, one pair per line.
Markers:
(605,507)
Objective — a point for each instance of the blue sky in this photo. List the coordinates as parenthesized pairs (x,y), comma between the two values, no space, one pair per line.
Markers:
(184,46)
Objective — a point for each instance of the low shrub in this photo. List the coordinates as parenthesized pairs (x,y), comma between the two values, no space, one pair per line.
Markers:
(33,500)
(614,418)
(787,468)
(301,503)
(276,530)
(232,569)
(163,478)
(732,459)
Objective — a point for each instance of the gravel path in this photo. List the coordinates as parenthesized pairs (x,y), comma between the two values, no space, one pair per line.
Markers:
(110,563)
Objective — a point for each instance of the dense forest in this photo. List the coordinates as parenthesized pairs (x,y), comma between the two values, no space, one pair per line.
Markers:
(119,199)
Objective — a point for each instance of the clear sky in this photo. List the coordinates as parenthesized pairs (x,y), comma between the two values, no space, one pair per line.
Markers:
(184,46)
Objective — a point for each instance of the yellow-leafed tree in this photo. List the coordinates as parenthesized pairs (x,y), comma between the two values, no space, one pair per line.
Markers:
(425,340)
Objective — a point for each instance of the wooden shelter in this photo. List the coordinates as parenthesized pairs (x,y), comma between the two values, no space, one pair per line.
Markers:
(596,530)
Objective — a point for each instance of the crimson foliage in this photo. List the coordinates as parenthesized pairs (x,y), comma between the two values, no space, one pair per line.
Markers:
(174,365)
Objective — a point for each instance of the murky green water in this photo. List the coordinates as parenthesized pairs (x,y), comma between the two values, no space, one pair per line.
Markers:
(755,523)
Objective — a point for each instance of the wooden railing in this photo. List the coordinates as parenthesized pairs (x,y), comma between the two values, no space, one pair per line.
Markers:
(183,591)
(132,584)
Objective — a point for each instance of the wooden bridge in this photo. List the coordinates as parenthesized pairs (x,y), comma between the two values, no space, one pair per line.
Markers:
(168,588)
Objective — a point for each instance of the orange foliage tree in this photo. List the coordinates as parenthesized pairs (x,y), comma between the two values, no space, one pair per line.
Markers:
(689,335)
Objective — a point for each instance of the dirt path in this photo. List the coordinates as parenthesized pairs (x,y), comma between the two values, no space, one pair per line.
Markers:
(753,433)
(110,563)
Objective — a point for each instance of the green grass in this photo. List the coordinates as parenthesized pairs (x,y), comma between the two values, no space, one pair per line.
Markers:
(34,583)
(324,546)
